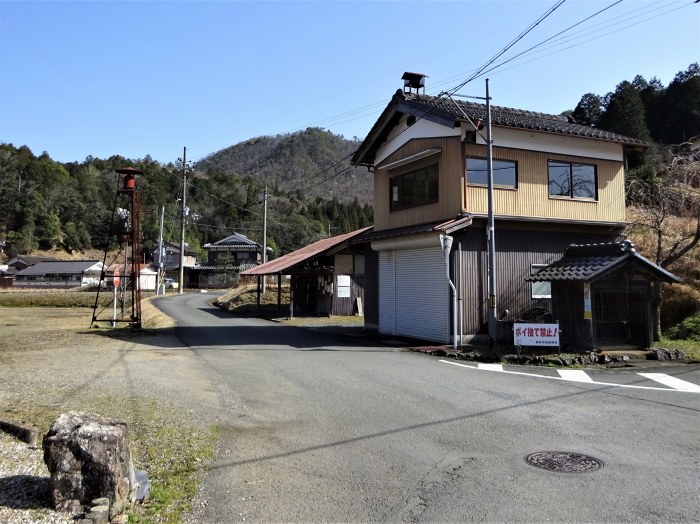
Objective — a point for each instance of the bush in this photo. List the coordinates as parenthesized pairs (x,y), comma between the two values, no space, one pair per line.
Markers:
(689,328)
(680,302)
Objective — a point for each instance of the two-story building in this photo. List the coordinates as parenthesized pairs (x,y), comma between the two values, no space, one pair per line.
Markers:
(556,183)
(226,258)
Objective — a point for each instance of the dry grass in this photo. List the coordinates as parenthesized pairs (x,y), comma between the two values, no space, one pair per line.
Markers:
(688,267)
(165,440)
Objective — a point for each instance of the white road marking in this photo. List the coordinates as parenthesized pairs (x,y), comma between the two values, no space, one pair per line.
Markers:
(575,375)
(629,386)
(672,382)
(490,367)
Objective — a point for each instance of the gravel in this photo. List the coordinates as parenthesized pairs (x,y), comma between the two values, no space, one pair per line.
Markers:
(139,379)
(24,482)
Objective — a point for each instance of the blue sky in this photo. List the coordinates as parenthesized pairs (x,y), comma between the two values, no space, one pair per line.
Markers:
(140,78)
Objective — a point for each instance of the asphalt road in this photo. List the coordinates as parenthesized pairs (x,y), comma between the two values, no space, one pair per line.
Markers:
(321,428)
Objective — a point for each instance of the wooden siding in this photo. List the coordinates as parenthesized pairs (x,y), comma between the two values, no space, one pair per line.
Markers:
(531,198)
(451,184)
(516,249)
(346,306)
(621,311)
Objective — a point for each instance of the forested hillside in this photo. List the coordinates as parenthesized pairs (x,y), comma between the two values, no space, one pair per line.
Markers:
(314,162)
(646,109)
(45,204)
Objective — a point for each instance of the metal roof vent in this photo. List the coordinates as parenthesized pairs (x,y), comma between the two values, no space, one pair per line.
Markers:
(413,81)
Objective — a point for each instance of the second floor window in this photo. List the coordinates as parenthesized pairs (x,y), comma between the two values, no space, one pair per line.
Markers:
(416,188)
(505,172)
(571,179)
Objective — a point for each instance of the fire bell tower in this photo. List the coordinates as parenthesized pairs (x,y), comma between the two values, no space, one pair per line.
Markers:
(122,273)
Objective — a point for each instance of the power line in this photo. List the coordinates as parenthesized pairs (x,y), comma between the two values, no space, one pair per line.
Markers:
(551,38)
(484,69)
(510,45)
(245,210)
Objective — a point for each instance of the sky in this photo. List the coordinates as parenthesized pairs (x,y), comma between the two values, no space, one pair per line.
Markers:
(135,78)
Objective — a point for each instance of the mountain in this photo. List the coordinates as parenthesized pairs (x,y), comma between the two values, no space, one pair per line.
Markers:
(315,162)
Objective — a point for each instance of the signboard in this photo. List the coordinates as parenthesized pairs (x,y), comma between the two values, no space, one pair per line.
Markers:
(587,310)
(344,286)
(536,334)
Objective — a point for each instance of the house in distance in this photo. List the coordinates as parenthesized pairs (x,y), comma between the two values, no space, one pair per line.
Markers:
(226,258)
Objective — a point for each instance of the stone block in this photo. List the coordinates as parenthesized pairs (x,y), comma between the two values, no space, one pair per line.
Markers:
(88,457)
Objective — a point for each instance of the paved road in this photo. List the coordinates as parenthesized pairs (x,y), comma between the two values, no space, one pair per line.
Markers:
(318,427)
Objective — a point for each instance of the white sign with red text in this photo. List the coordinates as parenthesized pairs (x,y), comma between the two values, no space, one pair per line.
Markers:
(536,334)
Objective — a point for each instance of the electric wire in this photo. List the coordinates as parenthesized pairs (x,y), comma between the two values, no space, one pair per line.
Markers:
(509,46)
(364,111)
(484,69)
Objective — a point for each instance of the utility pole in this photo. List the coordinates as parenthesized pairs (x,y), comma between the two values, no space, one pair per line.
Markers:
(159,278)
(264,253)
(490,239)
(181,280)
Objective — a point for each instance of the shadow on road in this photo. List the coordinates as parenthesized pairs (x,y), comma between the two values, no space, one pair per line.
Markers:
(270,337)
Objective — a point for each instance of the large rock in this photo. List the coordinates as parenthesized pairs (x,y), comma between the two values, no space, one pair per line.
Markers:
(88,457)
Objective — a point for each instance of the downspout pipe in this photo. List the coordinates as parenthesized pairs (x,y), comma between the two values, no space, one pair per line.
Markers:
(446,241)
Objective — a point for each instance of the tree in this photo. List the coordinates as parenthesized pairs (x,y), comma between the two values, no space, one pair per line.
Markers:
(682,106)
(652,94)
(624,113)
(49,231)
(589,110)
(671,192)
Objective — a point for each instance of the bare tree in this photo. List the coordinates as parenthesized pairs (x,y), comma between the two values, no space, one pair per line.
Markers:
(662,195)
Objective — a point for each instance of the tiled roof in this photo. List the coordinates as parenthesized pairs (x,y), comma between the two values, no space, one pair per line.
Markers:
(222,267)
(588,262)
(236,240)
(62,267)
(175,248)
(29,259)
(425,106)
(520,118)
(278,265)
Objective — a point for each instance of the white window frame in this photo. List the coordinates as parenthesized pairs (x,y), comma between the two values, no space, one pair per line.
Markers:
(540,286)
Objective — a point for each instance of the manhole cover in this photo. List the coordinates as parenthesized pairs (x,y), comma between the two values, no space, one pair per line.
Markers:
(564,461)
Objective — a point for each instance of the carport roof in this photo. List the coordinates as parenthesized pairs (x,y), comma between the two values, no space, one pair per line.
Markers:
(283,263)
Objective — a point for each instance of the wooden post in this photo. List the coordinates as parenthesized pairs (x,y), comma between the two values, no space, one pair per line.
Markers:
(279,294)
(292,281)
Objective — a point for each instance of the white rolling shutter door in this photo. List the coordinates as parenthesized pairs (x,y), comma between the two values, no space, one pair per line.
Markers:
(413,294)
(387,292)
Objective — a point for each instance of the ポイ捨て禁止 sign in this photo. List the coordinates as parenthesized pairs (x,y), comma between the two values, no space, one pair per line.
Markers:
(536,334)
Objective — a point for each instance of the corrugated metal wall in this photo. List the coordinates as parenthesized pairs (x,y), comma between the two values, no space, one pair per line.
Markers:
(516,250)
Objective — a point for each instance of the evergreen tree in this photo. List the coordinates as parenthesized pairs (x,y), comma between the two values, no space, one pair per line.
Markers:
(624,113)
(682,106)
(589,110)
